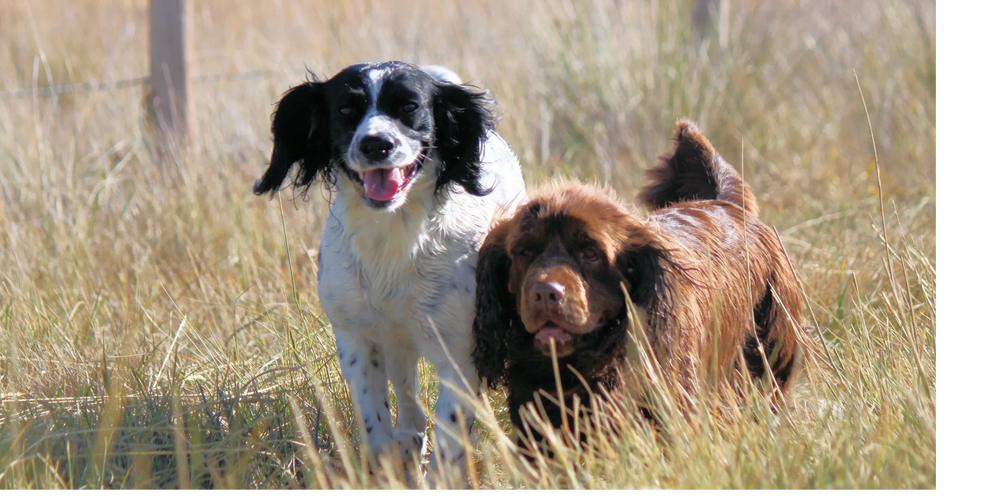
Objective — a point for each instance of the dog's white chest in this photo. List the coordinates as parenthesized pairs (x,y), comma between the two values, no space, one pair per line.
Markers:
(391,284)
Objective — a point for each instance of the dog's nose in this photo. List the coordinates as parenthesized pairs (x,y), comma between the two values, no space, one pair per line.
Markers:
(375,147)
(548,292)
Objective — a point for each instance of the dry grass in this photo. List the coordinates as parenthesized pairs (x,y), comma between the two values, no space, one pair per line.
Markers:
(160,328)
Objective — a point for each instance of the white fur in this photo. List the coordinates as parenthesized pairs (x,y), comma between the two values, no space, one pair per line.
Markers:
(390,280)
(441,73)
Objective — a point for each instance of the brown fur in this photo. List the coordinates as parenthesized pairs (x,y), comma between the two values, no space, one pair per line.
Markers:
(561,259)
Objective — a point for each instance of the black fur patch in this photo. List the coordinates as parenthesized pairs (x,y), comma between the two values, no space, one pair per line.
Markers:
(463,118)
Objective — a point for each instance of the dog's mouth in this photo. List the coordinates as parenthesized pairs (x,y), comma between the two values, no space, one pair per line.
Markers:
(381,186)
(551,333)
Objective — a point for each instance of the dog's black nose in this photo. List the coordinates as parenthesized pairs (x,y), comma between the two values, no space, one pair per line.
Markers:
(548,292)
(375,147)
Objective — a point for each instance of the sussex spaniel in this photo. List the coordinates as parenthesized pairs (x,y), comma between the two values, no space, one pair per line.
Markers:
(712,279)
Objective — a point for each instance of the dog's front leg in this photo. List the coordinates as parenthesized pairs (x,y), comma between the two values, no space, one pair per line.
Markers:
(365,374)
(454,411)
(403,367)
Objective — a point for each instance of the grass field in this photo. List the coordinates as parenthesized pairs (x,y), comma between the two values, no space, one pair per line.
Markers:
(159,327)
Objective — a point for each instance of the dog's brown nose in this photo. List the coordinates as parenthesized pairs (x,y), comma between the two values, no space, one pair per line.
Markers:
(548,293)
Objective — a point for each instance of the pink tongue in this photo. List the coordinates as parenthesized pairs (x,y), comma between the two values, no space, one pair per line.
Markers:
(382,184)
(548,332)
(563,341)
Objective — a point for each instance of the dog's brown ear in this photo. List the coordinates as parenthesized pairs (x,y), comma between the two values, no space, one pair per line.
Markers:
(648,264)
(495,309)
(641,261)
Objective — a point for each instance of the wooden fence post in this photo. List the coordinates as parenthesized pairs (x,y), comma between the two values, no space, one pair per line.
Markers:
(708,17)
(169,99)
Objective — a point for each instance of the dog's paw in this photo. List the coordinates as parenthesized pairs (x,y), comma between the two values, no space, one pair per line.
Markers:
(412,446)
(410,443)
(452,459)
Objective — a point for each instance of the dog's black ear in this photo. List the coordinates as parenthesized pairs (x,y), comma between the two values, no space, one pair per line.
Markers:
(495,309)
(300,130)
(463,119)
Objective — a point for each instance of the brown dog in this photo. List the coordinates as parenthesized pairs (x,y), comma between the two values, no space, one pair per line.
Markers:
(712,278)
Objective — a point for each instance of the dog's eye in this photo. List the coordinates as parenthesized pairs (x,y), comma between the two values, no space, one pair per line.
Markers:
(526,252)
(589,255)
(346,110)
(409,107)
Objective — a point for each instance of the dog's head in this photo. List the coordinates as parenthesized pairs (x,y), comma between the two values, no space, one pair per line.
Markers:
(552,274)
(380,127)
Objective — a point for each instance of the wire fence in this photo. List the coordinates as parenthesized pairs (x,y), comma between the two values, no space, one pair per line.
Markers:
(70,88)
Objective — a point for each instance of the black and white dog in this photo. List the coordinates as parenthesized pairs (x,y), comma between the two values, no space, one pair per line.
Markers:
(419,173)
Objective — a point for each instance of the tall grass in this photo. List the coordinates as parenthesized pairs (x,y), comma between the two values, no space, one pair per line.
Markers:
(159,327)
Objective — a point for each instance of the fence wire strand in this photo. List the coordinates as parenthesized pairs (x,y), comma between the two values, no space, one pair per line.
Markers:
(127,83)
(72,87)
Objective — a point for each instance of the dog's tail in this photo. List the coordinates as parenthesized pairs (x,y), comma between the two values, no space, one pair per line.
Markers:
(695,171)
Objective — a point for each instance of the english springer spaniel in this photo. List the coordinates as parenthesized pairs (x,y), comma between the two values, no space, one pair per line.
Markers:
(419,172)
